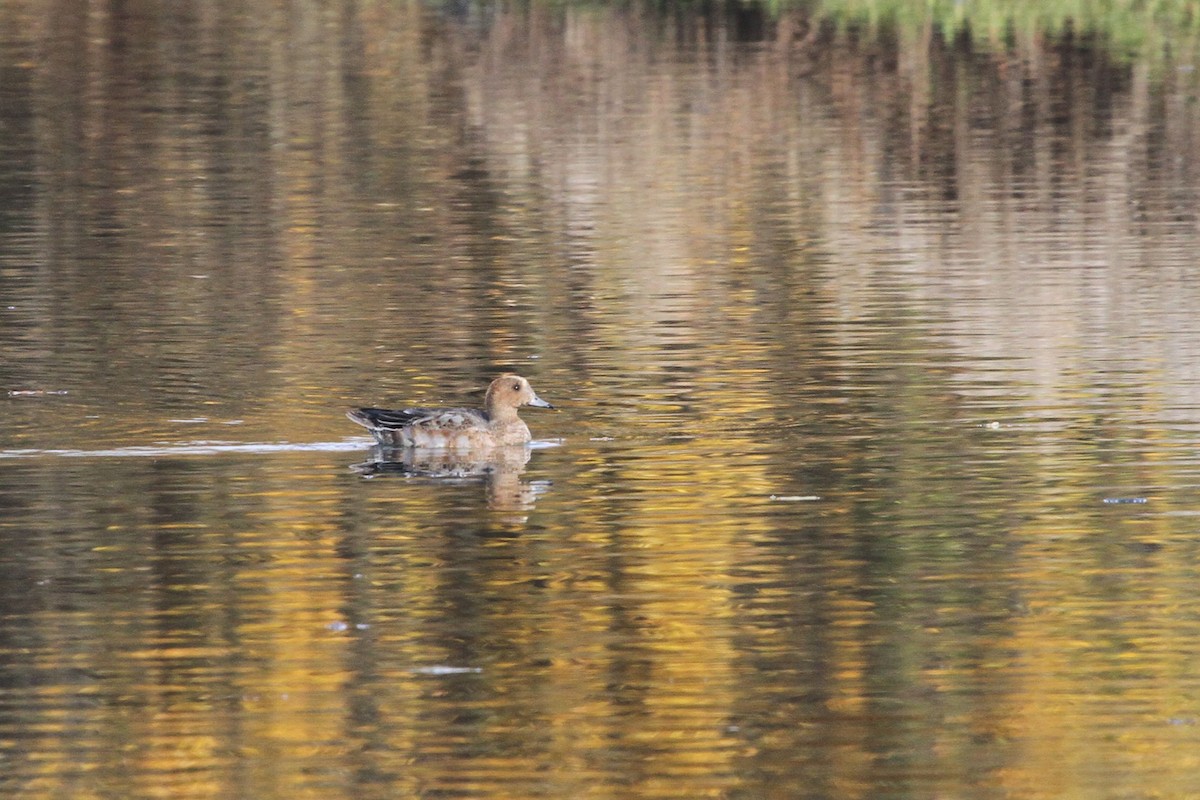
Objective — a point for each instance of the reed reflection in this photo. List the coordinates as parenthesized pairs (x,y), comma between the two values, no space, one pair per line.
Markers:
(814,265)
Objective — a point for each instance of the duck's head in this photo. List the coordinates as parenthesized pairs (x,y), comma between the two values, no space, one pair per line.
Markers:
(512,391)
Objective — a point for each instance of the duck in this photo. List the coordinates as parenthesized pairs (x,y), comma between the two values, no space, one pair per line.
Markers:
(465,429)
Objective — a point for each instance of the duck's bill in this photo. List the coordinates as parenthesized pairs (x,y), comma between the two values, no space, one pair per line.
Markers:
(538,402)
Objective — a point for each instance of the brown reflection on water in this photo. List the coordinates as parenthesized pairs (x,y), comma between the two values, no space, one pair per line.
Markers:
(944,290)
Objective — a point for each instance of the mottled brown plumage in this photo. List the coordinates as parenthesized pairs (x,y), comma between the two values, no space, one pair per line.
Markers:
(495,425)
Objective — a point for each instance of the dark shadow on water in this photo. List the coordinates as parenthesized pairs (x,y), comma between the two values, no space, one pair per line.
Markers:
(499,470)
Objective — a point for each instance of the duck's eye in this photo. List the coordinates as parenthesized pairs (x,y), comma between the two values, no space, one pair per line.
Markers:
(516,387)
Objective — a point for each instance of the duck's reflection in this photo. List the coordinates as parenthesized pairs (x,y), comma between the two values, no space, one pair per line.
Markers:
(498,468)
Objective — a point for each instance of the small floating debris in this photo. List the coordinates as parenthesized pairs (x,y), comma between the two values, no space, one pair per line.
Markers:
(35,392)
(795,498)
(340,625)
(1124,500)
(442,670)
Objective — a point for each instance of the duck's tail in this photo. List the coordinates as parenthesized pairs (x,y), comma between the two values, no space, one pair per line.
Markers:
(362,416)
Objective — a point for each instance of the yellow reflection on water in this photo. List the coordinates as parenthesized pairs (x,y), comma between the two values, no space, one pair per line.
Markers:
(946,293)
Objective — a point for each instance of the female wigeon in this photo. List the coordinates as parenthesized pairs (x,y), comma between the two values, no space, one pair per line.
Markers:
(497,424)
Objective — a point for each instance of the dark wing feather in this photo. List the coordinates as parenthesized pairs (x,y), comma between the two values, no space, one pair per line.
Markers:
(387,418)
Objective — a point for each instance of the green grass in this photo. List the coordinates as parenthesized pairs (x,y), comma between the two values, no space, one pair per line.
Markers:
(1159,32)
(1149,29)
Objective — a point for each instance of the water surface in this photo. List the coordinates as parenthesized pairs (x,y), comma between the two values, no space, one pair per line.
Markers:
(874,469)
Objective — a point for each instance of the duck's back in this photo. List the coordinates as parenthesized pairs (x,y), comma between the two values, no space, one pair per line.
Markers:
(427,427)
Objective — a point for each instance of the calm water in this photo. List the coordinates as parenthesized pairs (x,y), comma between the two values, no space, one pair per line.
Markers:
(857,342)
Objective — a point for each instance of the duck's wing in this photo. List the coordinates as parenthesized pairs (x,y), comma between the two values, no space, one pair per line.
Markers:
(447,419)
(388,419)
